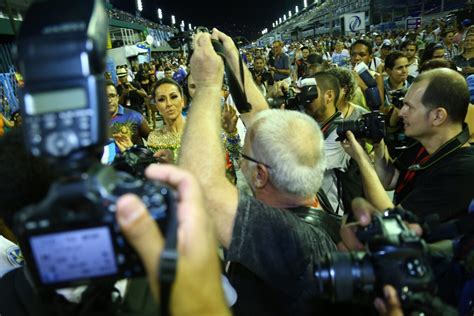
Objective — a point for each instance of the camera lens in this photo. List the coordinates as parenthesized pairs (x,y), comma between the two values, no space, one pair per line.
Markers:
(357,127)
(345,276)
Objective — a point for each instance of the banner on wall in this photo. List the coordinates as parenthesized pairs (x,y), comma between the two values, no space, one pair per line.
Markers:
(353,23)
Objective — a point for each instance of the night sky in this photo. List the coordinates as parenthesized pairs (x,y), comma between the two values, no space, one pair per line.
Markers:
(237,17)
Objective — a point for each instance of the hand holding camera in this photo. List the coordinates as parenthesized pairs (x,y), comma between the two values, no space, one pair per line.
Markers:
(198,265)
(207,67)
(353,148)
(230,51)
(71,236)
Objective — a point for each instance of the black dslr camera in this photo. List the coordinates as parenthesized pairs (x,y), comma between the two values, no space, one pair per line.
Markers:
(135,160)
(298,99)
(397,97)
(394,255)
(369,126)
(71,237)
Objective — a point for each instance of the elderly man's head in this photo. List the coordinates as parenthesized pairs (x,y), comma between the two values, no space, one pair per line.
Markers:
(284,149)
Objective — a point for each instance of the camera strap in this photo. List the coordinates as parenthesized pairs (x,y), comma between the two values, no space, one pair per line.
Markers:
(448,148)
(238,93)
(168,263)
(320,219)
(328,126)
(424,161)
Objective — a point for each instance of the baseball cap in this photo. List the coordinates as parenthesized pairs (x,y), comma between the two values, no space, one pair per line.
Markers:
(466,22)
(121,72)
(387,44)
(314,59)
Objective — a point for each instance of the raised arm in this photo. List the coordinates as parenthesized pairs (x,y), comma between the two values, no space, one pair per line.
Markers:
(254,96)
(373,188)
(202,151)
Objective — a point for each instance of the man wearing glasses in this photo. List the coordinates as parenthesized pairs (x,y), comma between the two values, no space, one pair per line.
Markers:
(126,125)
(274,237)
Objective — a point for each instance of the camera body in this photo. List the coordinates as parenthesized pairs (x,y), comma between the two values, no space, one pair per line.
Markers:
(297,99)
(134,161)
(369,126)
(394,255)
(71,236)
(397,97)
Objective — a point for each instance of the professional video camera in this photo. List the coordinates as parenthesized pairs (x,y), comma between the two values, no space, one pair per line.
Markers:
(297,98)
(71,237)
(394,255)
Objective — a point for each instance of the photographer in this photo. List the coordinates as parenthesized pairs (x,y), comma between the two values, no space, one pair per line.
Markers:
(271,239)
(322,109)
(263,79)
(429,177)
(131,94)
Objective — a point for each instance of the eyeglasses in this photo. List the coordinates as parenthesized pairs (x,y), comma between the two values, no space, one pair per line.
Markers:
(111,96)
(243,156)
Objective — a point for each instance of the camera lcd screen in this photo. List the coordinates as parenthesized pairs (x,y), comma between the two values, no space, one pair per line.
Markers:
(392,226)
(55,101)
(74,255)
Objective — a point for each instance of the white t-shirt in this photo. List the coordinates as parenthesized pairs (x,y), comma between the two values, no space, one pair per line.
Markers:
(336,158)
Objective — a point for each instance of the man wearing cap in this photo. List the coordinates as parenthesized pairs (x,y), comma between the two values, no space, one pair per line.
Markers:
(314,64)
(385,49)
(300,63)
(131,95)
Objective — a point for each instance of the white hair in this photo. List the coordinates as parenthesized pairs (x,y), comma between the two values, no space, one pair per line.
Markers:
(292,144)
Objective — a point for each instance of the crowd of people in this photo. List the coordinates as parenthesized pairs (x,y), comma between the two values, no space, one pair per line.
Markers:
(273,187)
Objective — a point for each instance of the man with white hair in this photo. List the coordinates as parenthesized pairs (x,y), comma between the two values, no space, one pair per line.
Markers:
(274,238)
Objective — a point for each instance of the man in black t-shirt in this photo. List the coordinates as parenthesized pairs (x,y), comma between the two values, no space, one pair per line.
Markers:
(431,178)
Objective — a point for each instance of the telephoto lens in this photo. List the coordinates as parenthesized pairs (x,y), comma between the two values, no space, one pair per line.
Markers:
(345,276)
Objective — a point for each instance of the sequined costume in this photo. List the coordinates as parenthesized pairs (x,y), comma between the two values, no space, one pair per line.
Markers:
(163,139)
